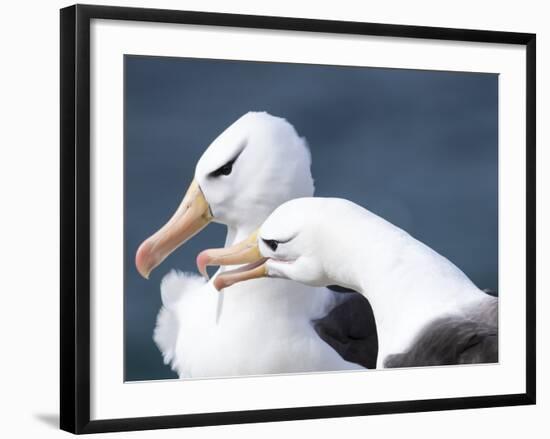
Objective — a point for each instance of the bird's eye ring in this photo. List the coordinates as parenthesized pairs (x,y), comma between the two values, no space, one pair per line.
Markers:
(271,243)
(223,170)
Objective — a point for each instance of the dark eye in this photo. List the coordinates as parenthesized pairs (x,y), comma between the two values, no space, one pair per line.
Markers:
(223,170)
(271,243)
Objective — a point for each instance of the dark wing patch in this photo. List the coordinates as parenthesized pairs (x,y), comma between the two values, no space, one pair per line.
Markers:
(454,340)
(350,329)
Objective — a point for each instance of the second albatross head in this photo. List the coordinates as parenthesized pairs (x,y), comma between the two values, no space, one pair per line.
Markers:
(256,164)
(298,241)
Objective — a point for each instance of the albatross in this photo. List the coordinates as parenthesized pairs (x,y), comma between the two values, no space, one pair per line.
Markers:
(427,311)
(265,326)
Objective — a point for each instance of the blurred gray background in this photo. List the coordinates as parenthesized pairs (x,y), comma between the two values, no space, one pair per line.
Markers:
(419,148)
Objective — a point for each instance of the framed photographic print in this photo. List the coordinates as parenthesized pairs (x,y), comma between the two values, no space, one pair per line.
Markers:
(366,190)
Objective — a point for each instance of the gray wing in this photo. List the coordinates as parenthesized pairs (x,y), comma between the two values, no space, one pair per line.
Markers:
(350,329)
(472,338)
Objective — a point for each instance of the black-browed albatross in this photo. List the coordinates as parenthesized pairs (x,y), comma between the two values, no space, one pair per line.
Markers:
(427,311)
(265,326)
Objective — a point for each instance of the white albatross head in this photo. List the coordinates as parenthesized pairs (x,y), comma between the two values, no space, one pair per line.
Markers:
(256,164)
(298,241)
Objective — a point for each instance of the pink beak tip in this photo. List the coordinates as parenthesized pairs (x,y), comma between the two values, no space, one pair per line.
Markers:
(202,262)
(142,258)
(219,284)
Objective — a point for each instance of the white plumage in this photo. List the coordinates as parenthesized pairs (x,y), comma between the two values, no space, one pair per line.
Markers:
(427,311)
(263,326)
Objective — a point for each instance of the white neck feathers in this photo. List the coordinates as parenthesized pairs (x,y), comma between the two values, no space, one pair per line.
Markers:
(407,283)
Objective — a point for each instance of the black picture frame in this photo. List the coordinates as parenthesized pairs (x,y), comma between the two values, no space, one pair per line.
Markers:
(75,217)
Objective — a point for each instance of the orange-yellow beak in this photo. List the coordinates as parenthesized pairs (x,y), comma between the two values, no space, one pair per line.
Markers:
(245,252)
(192,215)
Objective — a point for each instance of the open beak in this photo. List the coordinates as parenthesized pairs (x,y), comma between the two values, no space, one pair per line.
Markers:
(245,252)
(192,215)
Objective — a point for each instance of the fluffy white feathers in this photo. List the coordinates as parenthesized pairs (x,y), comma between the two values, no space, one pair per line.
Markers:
(264,326)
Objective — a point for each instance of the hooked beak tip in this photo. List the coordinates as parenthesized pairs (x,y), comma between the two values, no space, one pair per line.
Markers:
(192,215)
(202,262)
(143,255)
(244,252)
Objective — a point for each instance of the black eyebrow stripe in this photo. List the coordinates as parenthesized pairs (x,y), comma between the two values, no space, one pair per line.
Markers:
(229,162)
(281,242)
